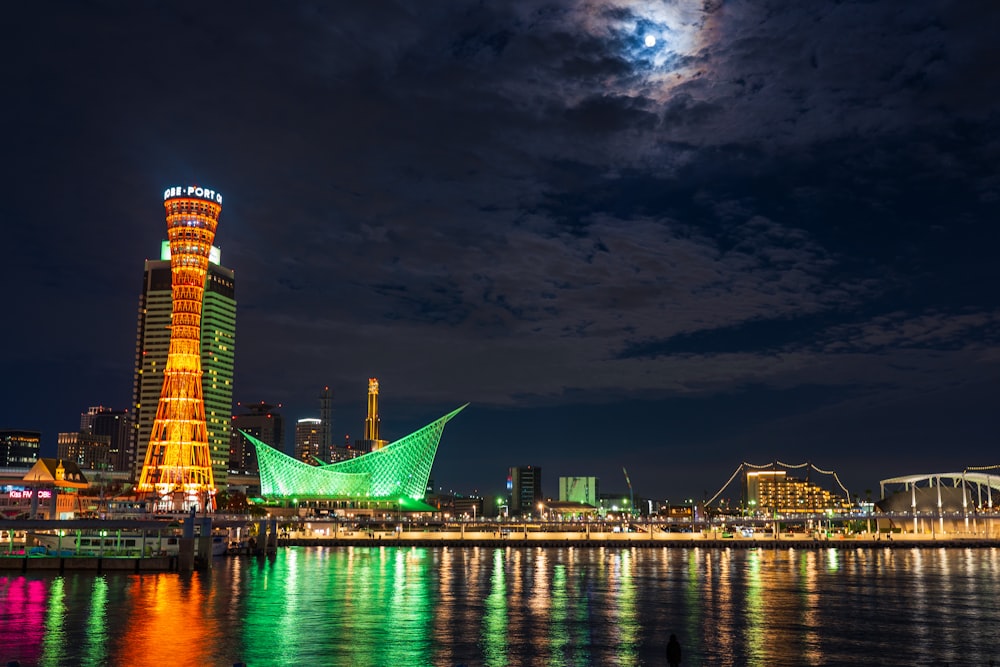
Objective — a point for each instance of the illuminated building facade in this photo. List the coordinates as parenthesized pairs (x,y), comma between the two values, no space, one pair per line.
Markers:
(218,342)
(346,451)
(89,451)
(774,492)
(524,485)
(395,473)
(218,349)
(114,424)
(47,491)
(264,422)
(178,465)
(308,437)
(19,448)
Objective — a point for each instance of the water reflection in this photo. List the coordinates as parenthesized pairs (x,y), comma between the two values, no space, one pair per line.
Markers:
(94,646)
(52,644)
(549,607)
(495,621)
(809,602)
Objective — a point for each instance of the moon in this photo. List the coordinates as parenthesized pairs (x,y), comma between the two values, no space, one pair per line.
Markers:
(650,40)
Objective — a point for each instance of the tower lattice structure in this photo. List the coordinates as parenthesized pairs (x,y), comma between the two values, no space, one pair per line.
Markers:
(178,458)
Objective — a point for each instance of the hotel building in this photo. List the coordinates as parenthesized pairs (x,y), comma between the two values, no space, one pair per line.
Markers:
(774,492)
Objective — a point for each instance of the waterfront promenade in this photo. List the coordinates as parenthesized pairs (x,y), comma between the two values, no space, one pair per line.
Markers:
(580,539)
(273,533)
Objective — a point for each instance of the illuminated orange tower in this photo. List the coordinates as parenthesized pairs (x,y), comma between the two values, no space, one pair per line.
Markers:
(373,439)
(178,458)
(373,421)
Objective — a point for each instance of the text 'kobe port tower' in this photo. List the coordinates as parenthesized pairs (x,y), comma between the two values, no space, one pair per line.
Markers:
(183,390)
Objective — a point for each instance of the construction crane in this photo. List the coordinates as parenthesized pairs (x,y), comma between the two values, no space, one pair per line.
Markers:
(631,498)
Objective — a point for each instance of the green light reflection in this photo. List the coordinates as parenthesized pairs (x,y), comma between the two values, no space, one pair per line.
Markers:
(581,614)
(411,611)
(54,649)
(494,635)
(96,640)
(692,592)
(559,637)
(287,622)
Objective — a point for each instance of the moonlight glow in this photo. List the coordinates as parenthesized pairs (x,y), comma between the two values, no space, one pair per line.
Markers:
(663,44)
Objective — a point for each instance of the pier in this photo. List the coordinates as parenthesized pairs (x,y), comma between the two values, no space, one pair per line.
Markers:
(115,545)
(63,564)
(703,540)
(264,537)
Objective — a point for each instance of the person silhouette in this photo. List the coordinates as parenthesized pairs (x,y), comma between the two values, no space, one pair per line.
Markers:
(673,652)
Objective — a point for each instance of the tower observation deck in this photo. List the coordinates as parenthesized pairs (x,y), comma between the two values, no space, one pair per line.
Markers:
(178,460)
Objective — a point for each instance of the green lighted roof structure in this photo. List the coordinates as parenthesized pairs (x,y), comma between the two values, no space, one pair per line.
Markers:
(398,470)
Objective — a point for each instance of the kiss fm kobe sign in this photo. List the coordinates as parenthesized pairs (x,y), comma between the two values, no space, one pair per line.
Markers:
(192,191)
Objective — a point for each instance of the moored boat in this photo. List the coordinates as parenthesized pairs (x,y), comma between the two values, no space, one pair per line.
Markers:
(105,543)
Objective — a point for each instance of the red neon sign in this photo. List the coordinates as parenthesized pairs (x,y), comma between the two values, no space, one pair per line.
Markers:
(42,493)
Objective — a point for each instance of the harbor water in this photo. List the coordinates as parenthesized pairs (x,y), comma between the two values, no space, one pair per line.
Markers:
(518,606)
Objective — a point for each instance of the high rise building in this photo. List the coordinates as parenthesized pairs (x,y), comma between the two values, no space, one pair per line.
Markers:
(524,484)
(326,425)
(264,422)
(307,440)
(87,450)
(178,464)
(218,341)
(218,348)
(19,448)
(115,424)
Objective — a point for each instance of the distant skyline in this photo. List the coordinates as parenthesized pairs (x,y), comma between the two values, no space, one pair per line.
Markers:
(769,232)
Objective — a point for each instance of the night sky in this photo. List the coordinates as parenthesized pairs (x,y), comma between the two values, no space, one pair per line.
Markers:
(771,235)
